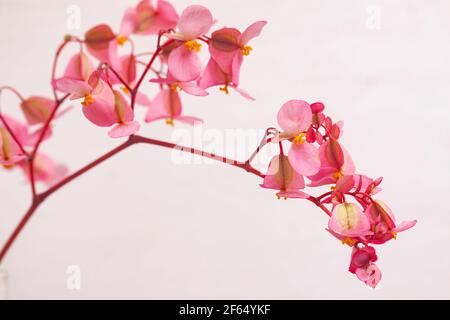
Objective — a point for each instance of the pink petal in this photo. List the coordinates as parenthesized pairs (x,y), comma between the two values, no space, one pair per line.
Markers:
(405,225)
(101,113)
(128,24)
(305,158)
(167,16)
(152,21)
(345,184)
(252,31)
(243,93)
(193,121)
(123,109)
(212,75)
(282,176)
(349,220)
(78,89)
(124,129)
(184,64)
(166,105)
(37,109)
(224,45)
(142,99)
(323,177)
(79,67)
(295,116)
(236,67)
(193,89)
(195,21)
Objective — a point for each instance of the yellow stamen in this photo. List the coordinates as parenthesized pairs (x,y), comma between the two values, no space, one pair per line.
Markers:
(169,122)
(121,40)
(394,235)
(225,89)
(349,241)
(125,90)
(333,188)
(88,100)
(338,175)
(175,87)
(246,50)
(193,45)
(300,138)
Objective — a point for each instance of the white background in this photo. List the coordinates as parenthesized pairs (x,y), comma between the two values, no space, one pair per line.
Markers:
(141,227)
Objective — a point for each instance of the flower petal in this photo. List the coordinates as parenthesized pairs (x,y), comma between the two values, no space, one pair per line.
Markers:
(295,116)
(193,89)
(349,220)
(252,31)
(184,64)
(405,225)
(78,89)
(212,75)
(100,113)
(128,23)
(305,158)
(193,121)
(124,129)
(195,21)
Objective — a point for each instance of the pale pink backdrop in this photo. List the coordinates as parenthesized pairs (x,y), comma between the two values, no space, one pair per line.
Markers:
(141,227)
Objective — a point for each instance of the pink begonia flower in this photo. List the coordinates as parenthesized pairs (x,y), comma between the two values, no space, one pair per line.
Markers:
(295,118)
(147,19)
(358,183)
(382,222)
(101,42)
(189,87)
(283,177)
(362,264)
(227,47)
(184,63)
(10,152)
(37,109)
(79,67)
(335,163)
(213,75)
(45,170)
(167,105)
(102,105)
(126,68)
(348,220)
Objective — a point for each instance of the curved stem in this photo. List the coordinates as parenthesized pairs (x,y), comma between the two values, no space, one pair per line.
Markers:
(135,139)
(11,89)
(18,230)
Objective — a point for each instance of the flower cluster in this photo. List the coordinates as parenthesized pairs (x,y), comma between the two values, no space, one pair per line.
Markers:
(105,80)
(316,153)
(106,75)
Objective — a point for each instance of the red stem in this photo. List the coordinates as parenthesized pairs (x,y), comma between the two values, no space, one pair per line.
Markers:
(12,134)
(39,198)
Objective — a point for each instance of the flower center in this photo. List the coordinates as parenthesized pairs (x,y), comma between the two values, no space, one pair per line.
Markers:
(169,122)
(125,90)
(88,100)
(193,45)
(349,241)
(121,40)
(246,50)
(300,138)
(225,89)
(337,175)
(175,87)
